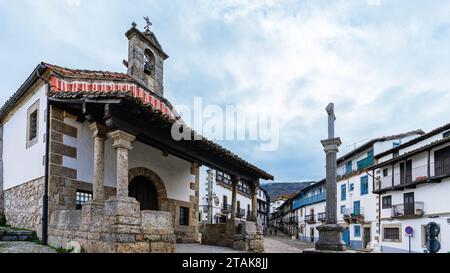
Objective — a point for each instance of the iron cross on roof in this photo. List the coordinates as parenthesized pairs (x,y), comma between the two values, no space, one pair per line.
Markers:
(147,27)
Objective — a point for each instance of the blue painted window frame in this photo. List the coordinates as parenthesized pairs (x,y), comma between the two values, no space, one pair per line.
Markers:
(357,207)
(348,167)
(357,231)
(352,187)
(364,185)
(343,192)
(342,209)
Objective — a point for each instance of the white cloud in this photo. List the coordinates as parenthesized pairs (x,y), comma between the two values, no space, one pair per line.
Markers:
(73,2)
(382,62)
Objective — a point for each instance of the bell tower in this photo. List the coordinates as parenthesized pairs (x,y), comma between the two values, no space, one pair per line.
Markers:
(146,58)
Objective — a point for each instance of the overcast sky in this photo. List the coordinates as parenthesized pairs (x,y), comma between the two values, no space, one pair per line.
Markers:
(385,64)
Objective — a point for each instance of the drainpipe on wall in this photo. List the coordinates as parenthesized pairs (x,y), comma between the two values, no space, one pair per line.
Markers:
(47,148)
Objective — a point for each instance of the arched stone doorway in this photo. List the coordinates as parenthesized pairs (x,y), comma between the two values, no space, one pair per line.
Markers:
(148,188)
(145,192)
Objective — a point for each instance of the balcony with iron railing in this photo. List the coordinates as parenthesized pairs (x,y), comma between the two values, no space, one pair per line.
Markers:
(240,213)
(310,219)
(354,215)
(226,208)
(413,210)
(223,179)
(322,217)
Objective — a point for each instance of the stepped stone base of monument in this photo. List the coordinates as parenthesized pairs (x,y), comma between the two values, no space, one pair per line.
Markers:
(330,238)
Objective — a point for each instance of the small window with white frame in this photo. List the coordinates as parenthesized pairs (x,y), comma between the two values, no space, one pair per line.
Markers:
(32,124)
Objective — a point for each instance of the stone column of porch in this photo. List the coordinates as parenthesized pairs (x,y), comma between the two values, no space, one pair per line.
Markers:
(99,135)
(122,212)
(93,210)
(255,202)
(122,144)
(234,183)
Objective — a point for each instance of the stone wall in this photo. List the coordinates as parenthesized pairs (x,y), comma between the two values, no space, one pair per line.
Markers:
(99,228)
(23,205)
(239,235)
(61,179)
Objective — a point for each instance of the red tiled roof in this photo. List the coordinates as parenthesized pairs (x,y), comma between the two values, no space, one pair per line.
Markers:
(88,74)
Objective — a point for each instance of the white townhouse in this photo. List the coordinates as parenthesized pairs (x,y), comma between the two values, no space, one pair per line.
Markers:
(263,206)
(309,208)
(216,198)
(357,205)
(412,181)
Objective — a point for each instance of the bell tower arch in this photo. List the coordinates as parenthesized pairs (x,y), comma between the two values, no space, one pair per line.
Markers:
(146,59)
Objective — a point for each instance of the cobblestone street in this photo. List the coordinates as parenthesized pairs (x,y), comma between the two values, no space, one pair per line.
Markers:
(24,247)
(198,248)
(284,244)
(272,244)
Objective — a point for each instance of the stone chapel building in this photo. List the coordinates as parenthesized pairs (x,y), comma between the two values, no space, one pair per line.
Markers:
(88,156)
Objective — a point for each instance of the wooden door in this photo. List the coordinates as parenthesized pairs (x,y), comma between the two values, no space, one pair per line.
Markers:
(409,203)
(346,236)
(145,193)
(366,237)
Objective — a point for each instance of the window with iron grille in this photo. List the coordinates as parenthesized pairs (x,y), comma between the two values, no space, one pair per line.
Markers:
(33,125)
(82,197)
(184,216)
(391,233)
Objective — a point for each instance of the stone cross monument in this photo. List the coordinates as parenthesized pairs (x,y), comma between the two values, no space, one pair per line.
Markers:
(330,234)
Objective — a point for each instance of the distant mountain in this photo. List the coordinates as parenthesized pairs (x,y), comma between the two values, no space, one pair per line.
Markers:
(280,189)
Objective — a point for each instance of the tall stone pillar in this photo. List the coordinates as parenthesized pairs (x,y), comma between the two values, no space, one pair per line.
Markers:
(99,135)
(331,149)
(122,144)
(330,234)
(234,181)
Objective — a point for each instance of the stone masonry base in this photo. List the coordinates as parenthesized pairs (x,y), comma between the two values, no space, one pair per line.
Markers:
(116,226)
(239,235)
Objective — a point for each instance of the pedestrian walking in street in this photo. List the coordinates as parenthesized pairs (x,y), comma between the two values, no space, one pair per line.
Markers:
(275,232)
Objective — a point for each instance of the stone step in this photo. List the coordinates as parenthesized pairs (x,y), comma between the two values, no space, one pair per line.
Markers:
(15,235)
